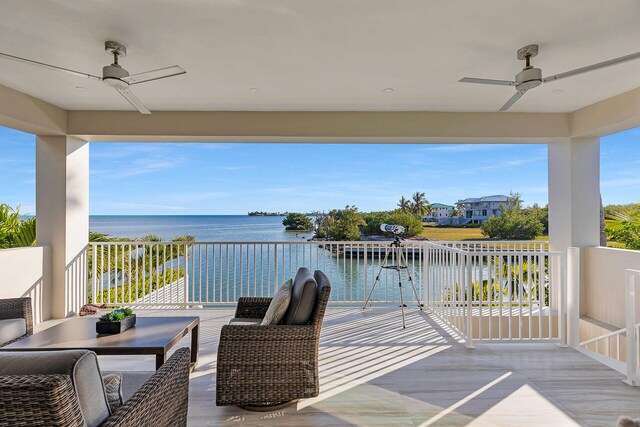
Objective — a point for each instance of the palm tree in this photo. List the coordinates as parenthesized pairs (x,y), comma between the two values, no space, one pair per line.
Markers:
(624,225)
(404,204)
(14,231)
(419,204)
(137,269)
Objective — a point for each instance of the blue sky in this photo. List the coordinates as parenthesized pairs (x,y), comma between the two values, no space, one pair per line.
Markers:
(182,179)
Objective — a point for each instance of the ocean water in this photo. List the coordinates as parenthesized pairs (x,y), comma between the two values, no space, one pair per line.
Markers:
(222,272)
(205,228)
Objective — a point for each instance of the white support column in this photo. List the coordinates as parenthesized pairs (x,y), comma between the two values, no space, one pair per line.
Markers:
(574,193)
(574,213)
(62,211)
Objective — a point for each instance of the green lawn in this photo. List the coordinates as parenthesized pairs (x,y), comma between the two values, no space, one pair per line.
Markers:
(434,232)
(451,233)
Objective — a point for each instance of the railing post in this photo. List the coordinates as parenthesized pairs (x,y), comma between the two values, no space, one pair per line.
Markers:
(275,263)
(94,273)
(426,294)
(469,301)
(366,268)
(561,278)
(186,274)
(632,343)
(573,297)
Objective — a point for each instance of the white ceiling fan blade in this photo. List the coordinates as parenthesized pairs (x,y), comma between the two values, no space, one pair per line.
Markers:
(588,68)
(129,96)
(52,67)
(148,76)
(488,81)
(512,100)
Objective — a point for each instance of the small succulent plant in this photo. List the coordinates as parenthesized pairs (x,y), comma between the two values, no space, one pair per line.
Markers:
(117,315)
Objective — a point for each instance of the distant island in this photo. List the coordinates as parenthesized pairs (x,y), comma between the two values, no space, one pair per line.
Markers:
(257,213)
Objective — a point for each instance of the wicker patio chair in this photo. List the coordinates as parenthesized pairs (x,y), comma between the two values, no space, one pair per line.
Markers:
(17,308)
(266,367)
(50,400)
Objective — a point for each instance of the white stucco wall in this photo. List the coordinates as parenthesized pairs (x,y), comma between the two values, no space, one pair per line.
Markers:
(603,280)
(26,272)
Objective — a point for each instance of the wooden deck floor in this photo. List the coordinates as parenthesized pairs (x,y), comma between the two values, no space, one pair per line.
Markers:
(374,373)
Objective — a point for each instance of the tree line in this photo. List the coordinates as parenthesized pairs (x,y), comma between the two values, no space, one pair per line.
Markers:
(513,223)
(351,224)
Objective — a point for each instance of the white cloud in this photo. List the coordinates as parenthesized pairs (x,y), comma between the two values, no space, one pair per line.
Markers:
(137,168)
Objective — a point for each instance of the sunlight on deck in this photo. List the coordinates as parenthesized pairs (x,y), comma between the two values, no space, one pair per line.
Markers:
(372,372)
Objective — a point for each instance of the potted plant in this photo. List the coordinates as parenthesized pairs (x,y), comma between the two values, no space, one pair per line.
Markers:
(116,321)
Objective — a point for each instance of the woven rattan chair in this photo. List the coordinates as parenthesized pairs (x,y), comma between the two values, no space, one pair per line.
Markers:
(17,308)
(50,400)
(270,366)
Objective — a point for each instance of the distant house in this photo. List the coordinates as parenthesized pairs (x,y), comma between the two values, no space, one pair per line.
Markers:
(438,210)
(478,210)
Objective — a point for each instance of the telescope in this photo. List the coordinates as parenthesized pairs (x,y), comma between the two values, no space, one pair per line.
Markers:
(390,228)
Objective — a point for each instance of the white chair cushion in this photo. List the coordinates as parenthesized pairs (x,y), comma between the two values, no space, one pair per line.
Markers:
(10,329)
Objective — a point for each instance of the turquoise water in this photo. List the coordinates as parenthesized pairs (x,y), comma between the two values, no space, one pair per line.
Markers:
(222,273)
(206,228)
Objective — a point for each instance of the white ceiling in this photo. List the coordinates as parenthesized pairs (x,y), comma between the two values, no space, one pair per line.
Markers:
(321,54)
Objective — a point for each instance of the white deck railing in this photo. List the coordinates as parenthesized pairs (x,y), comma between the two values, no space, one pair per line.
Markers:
(214,273)
(491,294)
(486,291)
(619,349)
(484,246)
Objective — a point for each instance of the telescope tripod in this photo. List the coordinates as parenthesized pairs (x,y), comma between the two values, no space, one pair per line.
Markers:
(395,248)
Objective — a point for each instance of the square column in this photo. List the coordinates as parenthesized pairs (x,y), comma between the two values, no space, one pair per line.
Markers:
(62,212)
(574,193)
(574,215)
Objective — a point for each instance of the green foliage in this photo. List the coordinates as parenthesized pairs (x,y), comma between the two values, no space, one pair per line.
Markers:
(297,221)
(409,221)
(341,224)
(513,223)
(419,204)
(515,282)
(138,287)
(136,271)
(623,225)
(541,214)
(100,237)
(404,205)
(117,315)
(14,231)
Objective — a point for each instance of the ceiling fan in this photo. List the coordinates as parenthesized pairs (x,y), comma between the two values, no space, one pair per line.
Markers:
(531,77)
(114,75)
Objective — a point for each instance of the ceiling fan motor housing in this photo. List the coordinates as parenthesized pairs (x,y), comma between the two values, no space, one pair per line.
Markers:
(111,75)
(528,78)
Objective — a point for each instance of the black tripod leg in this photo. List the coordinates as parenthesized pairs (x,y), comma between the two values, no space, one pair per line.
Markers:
(404,326)
(384,262)
(415,292)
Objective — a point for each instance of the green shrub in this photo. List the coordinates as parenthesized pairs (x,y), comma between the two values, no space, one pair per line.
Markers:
(410,222)
(297,222)
(341,224)
(512,225)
